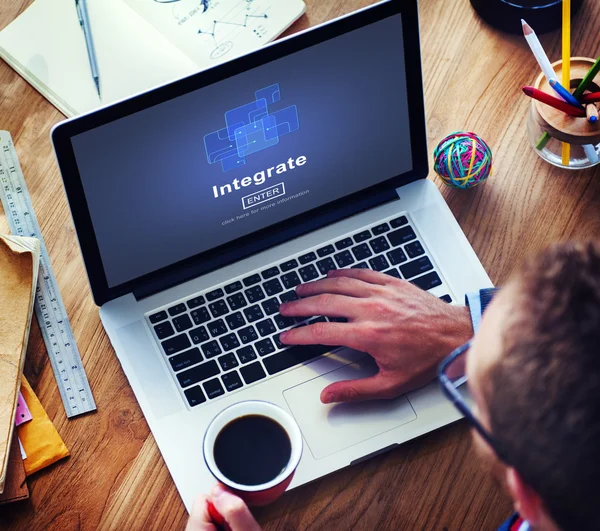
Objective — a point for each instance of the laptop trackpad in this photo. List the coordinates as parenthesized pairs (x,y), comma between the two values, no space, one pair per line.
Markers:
(329,428)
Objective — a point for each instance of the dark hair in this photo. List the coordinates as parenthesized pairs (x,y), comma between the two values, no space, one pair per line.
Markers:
(544,393)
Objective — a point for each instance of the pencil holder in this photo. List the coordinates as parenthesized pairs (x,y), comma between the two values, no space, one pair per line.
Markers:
(548,128)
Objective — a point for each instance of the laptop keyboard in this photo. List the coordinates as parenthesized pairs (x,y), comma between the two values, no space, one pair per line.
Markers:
(227,338)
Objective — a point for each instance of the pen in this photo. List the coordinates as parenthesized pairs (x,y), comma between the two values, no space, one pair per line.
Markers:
(84,21)
(554,102)
(564,93)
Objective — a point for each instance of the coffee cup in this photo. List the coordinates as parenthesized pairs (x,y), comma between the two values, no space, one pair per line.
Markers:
(253,448)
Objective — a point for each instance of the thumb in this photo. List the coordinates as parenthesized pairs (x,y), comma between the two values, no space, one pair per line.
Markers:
(377,386)
(233,509)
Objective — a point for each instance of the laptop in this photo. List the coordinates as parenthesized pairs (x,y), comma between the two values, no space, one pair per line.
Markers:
(201,205)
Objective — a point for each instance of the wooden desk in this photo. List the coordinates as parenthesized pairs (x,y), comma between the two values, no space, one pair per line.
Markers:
(116,478)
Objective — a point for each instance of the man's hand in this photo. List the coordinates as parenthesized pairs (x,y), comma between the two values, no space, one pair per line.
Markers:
(407,331)
(232,509)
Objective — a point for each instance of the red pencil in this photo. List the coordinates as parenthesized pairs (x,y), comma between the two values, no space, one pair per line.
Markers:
(546,98)
(593,97)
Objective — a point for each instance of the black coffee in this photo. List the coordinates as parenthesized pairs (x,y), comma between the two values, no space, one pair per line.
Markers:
(252,450)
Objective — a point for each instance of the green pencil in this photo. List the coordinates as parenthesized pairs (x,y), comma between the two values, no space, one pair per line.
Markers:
(589,77)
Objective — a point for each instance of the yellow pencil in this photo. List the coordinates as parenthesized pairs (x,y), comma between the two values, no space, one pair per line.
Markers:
(566,65)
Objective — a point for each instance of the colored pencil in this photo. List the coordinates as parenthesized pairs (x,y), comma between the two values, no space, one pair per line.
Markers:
(538,51)
(592,97)
(589,77)
(591,154)
(591,112)
(564,93)
(566,67)
(548,99)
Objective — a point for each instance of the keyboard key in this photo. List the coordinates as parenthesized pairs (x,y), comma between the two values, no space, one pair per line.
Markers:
(198,373)
(277,340)
(270,273)
(393,273)
(397,256)
(379,245)
(236,301)
(271,306)
(362,236)
(218,308)
(214,294)
(195,302)
(232,381)
(380,229)
(253,372)
(253,313)
(164,330)
(400,236)
(344,244)
(229,342)
(327,264)
(199,335)
(255,294)
(211,349)
(360,265)
(228,361)
(416,267)
(289,296)
(317,320)
(338,320)
(235,320)
(177,309)
(398,222)
(290,280)
(248,334)
(293,356)
(428,281)
(194,396)
(176,344)
(157,317)
(200,315)
(186,359)
(289,265)
(246,354)
(283,322)
(272,287)
(361,251)
(251,280)
(446,298)
(182,323)
(324,251)
(213,388)
(344,259)
(233,287)
(266,327)
(264,347)
(216,328)
(306,258)
(414,249)
(379,263)
(308,273)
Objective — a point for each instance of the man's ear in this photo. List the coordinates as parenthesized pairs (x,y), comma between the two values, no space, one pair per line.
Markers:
(526,501)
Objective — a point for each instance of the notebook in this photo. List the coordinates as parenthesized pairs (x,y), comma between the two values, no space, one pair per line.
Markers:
(19,263)
(139,44)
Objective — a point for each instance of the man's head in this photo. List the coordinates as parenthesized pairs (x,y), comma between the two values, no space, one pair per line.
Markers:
(534,372)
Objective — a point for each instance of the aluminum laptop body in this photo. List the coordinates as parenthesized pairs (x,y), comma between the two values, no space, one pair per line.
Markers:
(201,204)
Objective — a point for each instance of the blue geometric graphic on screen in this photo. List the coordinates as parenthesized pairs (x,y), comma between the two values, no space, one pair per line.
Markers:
(250,128)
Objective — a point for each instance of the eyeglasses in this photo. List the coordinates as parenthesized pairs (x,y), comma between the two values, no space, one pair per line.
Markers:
(453,379)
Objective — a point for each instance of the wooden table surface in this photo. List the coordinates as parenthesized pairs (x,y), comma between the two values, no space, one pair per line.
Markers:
(115,477)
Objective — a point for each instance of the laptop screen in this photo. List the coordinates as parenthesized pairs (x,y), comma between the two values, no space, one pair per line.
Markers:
(245,153)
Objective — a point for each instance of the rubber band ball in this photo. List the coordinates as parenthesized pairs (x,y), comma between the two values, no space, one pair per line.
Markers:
(463,160)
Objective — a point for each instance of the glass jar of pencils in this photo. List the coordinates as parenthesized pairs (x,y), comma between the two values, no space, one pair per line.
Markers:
(566,140)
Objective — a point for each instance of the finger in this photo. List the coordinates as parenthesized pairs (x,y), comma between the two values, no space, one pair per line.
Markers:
(370,388)
(324,304)
(233,509)
(366,275)
(331,334)
(340,285)
(199,519)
